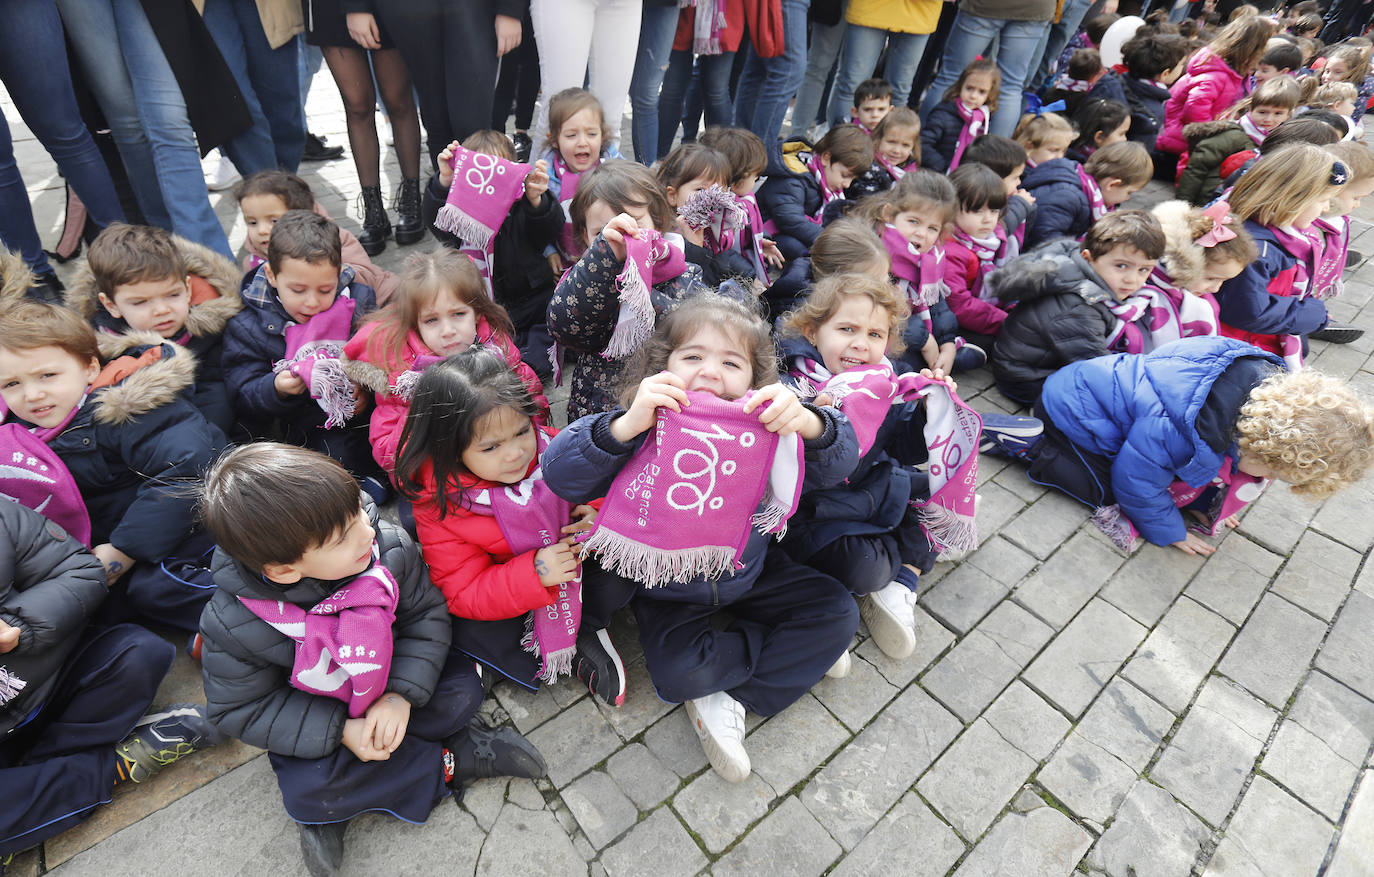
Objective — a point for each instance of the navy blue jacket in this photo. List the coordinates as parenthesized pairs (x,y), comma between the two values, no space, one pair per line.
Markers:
(790,289)
(583,460)
(1246,303)
(789,198)
(255,339)
(1062,208)
(1145,99)
(940,136)
(1168,415)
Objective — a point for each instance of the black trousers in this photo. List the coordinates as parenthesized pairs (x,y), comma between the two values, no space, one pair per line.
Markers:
(1059,463)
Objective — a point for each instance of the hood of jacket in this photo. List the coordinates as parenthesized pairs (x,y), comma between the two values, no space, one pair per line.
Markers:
(1056,268)
(1196,132)
(794,155)
(1056,170)
(15,276)
(144,372)
(1183,260)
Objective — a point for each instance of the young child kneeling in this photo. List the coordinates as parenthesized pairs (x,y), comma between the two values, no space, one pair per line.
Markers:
(326,645)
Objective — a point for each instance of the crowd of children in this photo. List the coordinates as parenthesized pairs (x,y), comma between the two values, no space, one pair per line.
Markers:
(764,444)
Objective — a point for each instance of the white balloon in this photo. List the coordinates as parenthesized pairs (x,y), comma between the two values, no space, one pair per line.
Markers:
(1116,36)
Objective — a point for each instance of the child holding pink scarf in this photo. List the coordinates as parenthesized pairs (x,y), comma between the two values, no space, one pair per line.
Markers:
(578,140)
(798,191)
(961,116)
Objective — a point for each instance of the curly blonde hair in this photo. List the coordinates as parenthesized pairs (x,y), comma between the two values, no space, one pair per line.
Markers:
(1310,429)
(830,292)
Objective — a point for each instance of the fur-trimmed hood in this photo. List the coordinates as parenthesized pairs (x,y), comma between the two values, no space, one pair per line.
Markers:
(1196,132)
(1183,260)
(15,276)
(142,380)
(207,317)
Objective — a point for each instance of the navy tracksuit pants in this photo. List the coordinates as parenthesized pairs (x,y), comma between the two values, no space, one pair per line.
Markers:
(1059,463)
(173,591)
(60,766)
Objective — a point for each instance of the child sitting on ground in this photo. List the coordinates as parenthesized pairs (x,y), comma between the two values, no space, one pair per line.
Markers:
(578,141)
(1340,98)
(141,279)
(1060,292)
(326,645)
(896,150)
(1100,123)
(1070,197)
(872,103)
(1045,136)
(847,246)
(687,170)
(1211,143)
(1077,79)
(979,243)
(961,116)
(1150,64)
(748,159)
(795,195)
(1202,250)
(1335,225)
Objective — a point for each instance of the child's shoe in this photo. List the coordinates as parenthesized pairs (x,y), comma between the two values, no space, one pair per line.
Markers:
(1010,436)
(322,847)
(161,738)
(480,751)
(889,614)
(719,722)
(1337,333)
(840,668)
(969,357)
(598,665)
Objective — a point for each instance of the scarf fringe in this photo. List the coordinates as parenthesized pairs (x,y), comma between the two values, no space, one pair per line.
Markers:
(457,222)
(10,686)
(331,386)
(551,666)
(1111,521)
(406,381)
(952,534)
(772,518)
(637,309)
(654,568)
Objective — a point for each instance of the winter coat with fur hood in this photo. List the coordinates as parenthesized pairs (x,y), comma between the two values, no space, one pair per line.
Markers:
(247,663)
(1184,262)
(214,284)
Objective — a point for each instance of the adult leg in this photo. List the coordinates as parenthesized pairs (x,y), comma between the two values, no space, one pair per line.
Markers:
(564,28)
(1056,37)
(858,58)
(353,76)
(781,77)
(398,96)
(825,48)
(252,150)
(469,69)
(714,77)
(275,80)
(672,100)
(656,32)
(527,91)
(1015,55)
(904,53)
(969,37)
(609,67)
(416,27)
(17,229)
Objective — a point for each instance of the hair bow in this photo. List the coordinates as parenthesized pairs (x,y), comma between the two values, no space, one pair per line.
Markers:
(1220,214)
(1339,174)
(1036,107)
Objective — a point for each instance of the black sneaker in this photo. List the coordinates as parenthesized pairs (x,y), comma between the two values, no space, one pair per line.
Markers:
(47,287)
(598,665)
(322,847)
(1010,436)
(1353,258)
(317,150)
(482,751)
(523,146)
(1337,333)
(162,738)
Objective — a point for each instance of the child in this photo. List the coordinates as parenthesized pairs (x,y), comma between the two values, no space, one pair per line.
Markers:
(1335,225)
(474,430)
(141,279)
(872,103)
(978,244)
(440,309)
(302,287)
(688,169)
(1151,64)
(1045,137)
(306,573)
(517,272)
(620,199)
(73,692)
(1061,291)
(1202,250)
(1077,79)
(122,423)
(1340,98)
(789,623)
(266,196)
(578,140)
(846,246)
(1100,123)
(896,150)
(1007,158)
(1277,300)
(1350,64)
(1137,436)
(1070,197)
(960,116)
(1282,58)
(1319,127)
(748,159)
(1211,143)
(797,191)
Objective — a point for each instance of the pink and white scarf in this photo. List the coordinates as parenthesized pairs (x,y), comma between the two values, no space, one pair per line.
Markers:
(1144,320)
(531,516)
(314,353)
(484,189)
(893,170)
(975,125)
(1313,275)
(752,235)
(568,180)
(1335,232)
(344,642)
(716,213)
(827,194)
(32,475)
(918,274)
(1255,132)
(650,259)
(708,25)
(991,253)
(1094,193)
(685,503)
(1235,490)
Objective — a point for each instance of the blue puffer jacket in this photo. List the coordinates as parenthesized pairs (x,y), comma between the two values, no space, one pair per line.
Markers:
(1062,208)
(940,136)
(256,338)
(583,460)
(1155,417)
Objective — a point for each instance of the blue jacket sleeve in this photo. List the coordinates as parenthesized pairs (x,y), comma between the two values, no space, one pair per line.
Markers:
(1060,210)
(249,374)
(783,200)
(582,460)
(831,457)
(940,137)
(1141,484)
(1246,303)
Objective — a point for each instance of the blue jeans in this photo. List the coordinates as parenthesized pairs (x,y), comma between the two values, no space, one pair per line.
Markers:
(862,46)
(970,37)
(767,85)
(656,31)
(33,67)
(825,48)
(715,92)
(270,82)
(1056,38)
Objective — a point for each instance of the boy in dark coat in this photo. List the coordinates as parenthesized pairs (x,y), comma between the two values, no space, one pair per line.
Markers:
(308,580)
(1069,197)
(1062,294)
(1150,65)
(794,197)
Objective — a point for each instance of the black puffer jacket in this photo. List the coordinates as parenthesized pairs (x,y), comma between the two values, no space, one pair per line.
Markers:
(50,586)
(1059,317)
(247,663)
(940,136)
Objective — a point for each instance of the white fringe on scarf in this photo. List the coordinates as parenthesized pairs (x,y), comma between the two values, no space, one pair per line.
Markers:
(560,663)
(653,567)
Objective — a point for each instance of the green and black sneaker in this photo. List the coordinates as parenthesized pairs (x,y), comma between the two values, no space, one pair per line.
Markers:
(161,738)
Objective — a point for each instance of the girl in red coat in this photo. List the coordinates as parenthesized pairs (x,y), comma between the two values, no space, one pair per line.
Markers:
(499,543)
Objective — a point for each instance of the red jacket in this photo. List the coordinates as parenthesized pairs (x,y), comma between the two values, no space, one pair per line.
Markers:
(961,276)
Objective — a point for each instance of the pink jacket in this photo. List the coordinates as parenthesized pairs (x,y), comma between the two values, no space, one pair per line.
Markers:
(1202,94)
(961,276)
(389,413)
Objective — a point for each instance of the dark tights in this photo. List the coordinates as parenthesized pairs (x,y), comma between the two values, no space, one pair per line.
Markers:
(350,70)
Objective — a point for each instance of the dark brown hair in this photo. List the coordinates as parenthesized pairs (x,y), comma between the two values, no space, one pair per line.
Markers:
(123,254)
(292,190)
(27,324)
(692,161)
(978,186)
(742,148)
(622,184)
(872,89)
(1002,154)
(306,236)
(848,145)
(1137,229)
(1146,57)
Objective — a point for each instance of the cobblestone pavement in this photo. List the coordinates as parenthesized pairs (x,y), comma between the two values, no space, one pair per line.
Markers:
(1067,709)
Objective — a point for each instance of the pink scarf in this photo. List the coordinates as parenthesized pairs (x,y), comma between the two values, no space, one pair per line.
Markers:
(854,120)
(1235,490)
(1094,193)
(568,180)
(975,124)
(1314,275)
(32,475)
(894,171)
(827,194)
(531,516)
(917,273)
(684,504)
(343,643)
(752,235)
(1198,314)
(314,351)
(1144,321)
(650,259)
(716,213)
(991,253)
(1335,247)
(1256,133)
(708,25)
(484,189)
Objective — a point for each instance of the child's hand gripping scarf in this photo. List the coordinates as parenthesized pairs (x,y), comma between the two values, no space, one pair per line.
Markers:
(314,351)
(716,213)
(827,194)
(32,475)
(975,125)
(650,259)
(918,274)
(685,502)
(531,516)
(991,253)
(1231,491)
(484,189)
(343,643)
(952,433)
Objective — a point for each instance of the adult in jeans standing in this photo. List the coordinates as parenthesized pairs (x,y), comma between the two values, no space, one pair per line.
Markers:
(768,83)
(827,35)
(1018,25)
(714,64)
(1059,34)
(586,40)
(657,26)
(903,26)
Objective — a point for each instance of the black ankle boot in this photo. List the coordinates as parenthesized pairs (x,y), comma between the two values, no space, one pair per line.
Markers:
(322,847)
(409,229)
(376,227)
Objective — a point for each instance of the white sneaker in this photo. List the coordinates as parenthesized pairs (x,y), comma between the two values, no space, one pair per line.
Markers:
(719,722)
(220,173)
(840,668)
(889,615)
